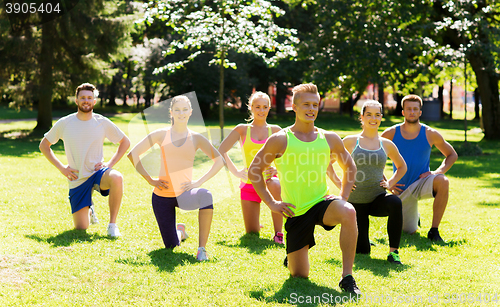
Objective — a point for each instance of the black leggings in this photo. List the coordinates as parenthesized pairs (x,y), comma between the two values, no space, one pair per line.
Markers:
(382,205)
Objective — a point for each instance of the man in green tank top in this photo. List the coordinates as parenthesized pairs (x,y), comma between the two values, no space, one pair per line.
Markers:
(302,154)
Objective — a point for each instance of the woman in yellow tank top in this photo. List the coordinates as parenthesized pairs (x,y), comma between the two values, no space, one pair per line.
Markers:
(175,186)
(252,137)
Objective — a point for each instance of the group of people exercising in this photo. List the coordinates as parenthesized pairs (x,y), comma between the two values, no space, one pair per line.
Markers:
(287,169)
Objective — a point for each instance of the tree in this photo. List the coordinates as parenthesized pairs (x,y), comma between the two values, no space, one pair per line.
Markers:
(71,46)
(473,27)
(360,42)
(218,26)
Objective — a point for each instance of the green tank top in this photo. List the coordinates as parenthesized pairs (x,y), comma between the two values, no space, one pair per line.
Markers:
(302,171)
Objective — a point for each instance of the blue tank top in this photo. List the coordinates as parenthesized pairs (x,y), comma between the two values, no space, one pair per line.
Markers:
(416,153)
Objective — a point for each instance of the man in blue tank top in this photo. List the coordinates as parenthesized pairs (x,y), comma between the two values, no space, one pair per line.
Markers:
(414,141)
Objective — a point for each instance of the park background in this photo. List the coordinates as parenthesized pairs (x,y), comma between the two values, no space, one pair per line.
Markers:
(353,50)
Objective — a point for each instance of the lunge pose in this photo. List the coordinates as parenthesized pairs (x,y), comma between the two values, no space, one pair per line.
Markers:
(83,134)
(414,141)
(252,137)
(302,154)
(370,152)
(175,186)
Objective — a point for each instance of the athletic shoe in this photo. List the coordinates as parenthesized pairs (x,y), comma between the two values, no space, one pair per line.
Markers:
(202,254)
(93,216)
(278,238)
(348,284)
(393,257)
(113,231)
(182,228)
(434,236)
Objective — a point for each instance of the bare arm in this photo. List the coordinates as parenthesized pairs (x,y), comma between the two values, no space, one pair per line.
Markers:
(445,148)
(68,172)
(333,176)
(389,133)
(341,155)
(399,162)
(155,137)
(202,143)
(120,152)
(225,146)
(274,147)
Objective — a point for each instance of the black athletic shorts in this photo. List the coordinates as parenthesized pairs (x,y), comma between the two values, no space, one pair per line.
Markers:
(300,229)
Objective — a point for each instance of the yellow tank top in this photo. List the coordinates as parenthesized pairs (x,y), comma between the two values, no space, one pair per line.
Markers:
(250,147)
(176,164)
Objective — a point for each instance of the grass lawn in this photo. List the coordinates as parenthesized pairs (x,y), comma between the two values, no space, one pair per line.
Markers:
(44,262)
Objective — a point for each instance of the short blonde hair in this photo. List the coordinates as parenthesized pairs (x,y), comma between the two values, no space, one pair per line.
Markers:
(257,95)
(304,88)
(411,98)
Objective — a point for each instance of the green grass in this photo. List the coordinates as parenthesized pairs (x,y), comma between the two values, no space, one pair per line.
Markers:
(44,262)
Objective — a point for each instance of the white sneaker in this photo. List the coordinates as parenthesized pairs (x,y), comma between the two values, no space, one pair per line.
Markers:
(93,216)
(182,228)
(113,231)
(202,254)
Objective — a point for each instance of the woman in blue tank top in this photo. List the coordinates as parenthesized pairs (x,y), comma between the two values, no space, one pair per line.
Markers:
(370,153)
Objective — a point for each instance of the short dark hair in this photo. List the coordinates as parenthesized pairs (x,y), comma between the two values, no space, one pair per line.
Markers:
(87,87)
(411,98)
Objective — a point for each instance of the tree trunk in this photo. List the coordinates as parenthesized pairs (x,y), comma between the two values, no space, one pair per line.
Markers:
(44,117)
(381,97)
(352,102)
(477,99)
(441,101)
(488,87)
(451,98)
(281,92)
(221,95)
(147,93)
(399,108)
(126,91)
(112,92)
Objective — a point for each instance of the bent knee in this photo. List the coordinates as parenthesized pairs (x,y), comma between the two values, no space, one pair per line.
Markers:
(115,177)
(441,182)
(349,211)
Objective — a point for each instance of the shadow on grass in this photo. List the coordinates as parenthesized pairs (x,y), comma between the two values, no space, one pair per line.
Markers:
(421,242)
(69,237)
(22,143)
(166,259)
(302,292)
(380,267)
(253,243)
(488,204)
